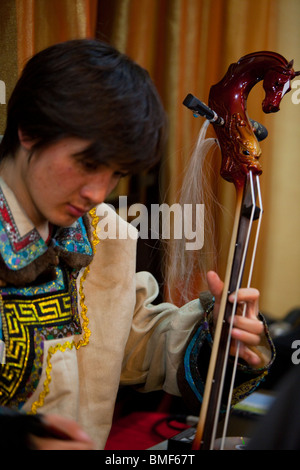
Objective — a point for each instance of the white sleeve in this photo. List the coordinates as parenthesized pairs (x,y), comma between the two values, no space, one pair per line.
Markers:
(157,339)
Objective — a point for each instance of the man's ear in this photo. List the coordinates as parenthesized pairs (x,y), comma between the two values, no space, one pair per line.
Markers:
(25,141)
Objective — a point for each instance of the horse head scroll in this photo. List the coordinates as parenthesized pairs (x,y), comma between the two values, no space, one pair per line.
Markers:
(228,98)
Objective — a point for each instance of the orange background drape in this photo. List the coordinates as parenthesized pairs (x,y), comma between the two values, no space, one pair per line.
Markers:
(187,45)
(41,23)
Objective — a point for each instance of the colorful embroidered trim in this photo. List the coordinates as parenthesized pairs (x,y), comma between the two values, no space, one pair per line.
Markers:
(14,249)
(18,252)
(70,344)
(23,317)
(191,359)
(73,239)
(192,373)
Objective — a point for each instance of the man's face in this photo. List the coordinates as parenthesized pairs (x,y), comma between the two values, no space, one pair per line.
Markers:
(58,187)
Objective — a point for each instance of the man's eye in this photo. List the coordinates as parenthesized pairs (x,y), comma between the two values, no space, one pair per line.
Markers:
(89,165)
(120,174)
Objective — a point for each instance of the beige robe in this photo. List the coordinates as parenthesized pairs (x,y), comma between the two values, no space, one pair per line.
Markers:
(132,341)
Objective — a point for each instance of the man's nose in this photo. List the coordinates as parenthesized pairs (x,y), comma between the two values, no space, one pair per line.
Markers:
(99,187)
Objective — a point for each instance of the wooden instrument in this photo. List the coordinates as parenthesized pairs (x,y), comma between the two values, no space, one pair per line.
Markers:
(238,139)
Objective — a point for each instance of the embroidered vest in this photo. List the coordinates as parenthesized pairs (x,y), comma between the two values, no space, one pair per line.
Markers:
(38,298)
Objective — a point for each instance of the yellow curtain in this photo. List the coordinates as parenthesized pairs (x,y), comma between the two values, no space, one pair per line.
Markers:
(41,23)
(27,26)
(187,45)
(8,53)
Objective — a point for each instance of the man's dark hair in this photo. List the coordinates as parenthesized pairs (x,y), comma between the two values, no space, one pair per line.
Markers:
(87,89)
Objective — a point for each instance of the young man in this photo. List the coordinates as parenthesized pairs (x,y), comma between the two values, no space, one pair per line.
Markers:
(76,319)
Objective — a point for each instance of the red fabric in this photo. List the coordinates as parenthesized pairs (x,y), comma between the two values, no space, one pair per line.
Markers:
(139,431)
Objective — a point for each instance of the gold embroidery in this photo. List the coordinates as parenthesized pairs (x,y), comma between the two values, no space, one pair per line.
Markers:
(245,388)
(19,316)
(52,350)
(70,344)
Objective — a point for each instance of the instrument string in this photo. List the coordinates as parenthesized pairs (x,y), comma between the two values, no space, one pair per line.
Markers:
(233,312)
(228,342)
(225,427)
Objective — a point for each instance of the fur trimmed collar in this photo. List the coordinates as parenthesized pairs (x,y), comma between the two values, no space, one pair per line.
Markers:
(25,257)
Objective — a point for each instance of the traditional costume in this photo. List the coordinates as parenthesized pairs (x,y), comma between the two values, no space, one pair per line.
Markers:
(77,321)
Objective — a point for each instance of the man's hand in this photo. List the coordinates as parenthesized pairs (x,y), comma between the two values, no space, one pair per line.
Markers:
(247,329)
(60,434)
